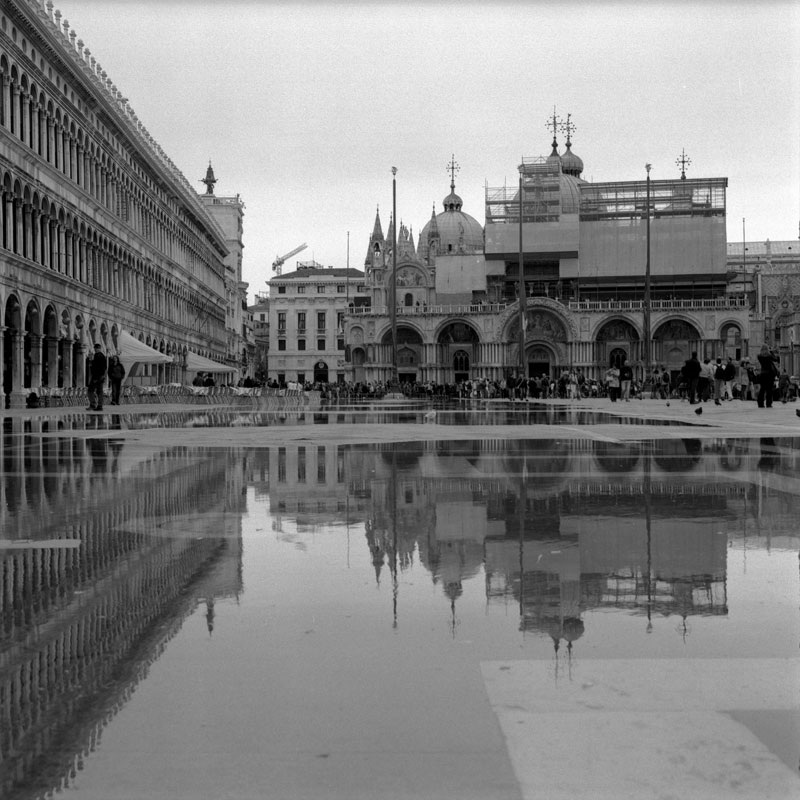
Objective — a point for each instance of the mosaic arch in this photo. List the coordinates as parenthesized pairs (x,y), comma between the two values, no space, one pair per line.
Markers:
(544,320)
(675,339)
(617,330)
(458,333)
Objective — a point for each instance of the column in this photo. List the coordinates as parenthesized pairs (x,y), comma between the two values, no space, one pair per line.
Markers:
(6,87)
(36,359)
(59,254)
(51,140)
(24,117)
(65,346)
(36,244)
(18,394)
(80,373)
(36,131)
(68,252)
(44,226)
(8,230)
(17,243)
(13,122)
(51,356)
(27,247)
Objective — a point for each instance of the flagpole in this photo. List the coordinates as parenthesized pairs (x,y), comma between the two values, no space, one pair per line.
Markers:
(521,287)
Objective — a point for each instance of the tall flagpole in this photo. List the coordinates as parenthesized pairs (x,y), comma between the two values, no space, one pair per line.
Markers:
(521,288)
(393,294)
(646,308)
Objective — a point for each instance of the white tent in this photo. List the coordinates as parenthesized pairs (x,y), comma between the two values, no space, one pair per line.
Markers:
(196,363)
(130,350)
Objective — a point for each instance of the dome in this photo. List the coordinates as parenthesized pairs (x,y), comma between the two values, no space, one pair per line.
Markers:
(570,163)
(453,230)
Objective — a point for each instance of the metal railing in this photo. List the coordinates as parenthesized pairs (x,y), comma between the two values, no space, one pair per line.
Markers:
(673,304)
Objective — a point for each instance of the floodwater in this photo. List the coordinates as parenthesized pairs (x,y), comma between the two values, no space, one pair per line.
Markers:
(342,621)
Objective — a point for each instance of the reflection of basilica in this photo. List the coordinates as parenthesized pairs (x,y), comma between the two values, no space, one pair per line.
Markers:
(558,526)
(97,575)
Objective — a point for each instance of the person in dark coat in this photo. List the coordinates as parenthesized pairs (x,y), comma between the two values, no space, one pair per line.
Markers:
(691,372)
(97,378)
(116,372)
(768,361)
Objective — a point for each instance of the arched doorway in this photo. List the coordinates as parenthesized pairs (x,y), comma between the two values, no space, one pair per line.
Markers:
(409,352)
(320,372)
(675,341)
(540,361)
(461,366)
(457,348)
(616,339)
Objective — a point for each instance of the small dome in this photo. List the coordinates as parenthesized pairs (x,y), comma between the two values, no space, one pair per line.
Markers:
(570,163)
(453,230)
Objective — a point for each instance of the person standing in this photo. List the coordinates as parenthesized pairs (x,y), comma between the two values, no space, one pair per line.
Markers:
(116,372)
(768,361)
(705,380)
(744,380)
(719,381)
(729,376)
(691,372)
(612,382)
(625,378)
(97,378)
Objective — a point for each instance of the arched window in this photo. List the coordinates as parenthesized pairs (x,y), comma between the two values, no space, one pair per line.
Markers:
(461,361)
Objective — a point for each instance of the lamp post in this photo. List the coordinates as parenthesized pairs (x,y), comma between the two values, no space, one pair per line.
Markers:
(646,306)
(393,294)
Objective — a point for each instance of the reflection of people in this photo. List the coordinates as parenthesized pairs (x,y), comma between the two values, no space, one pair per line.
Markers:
(116,372)
(97,378)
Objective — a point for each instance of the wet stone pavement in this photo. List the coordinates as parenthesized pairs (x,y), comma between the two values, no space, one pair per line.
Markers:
(396,600)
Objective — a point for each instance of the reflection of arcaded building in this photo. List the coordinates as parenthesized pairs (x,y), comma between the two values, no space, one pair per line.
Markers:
(103,555)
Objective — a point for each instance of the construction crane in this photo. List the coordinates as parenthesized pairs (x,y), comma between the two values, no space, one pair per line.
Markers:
(278,262)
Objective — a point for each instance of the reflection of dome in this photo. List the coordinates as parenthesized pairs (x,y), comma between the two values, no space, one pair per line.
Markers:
(457,231)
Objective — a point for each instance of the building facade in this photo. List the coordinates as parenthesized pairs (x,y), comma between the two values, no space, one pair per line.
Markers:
(259,313)
(306,322)
(101,233)
(601,263)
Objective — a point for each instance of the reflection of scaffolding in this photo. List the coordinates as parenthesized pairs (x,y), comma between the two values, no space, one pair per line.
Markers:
(689,595)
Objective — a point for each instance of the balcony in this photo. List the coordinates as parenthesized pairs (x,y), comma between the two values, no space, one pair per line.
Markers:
(673,304)
(439,310)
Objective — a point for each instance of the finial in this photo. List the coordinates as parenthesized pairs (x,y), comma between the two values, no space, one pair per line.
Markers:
(568,127)
(553,123)
(452,168)
(683,161)
(209,179)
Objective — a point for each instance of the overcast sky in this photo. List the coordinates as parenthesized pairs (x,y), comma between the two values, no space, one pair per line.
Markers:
(303,108)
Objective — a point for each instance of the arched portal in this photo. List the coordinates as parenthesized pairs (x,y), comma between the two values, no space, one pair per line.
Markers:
(461,366)
(675,340)
(409,352)
(540,360)
(457,343)
(320,372)
(614,340)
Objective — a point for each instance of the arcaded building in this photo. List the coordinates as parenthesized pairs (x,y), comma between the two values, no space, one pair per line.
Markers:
(584,251)
(103,239)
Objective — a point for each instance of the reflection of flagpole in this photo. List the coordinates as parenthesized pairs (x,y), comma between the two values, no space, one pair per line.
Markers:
(521,288)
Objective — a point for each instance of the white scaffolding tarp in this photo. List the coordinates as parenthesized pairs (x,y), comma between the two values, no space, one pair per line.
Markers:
(130,350)
(196,363)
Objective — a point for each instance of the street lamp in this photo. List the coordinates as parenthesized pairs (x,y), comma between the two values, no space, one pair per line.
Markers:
(646,307)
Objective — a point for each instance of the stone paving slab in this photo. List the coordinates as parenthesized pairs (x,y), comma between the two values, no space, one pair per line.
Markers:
(643,728)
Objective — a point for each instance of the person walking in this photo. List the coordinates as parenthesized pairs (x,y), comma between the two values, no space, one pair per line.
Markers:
(97,378)
(116,372)
(768,361)
(691,373)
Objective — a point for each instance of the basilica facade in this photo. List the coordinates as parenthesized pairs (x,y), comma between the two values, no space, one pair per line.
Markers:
(102,239)
(597,260)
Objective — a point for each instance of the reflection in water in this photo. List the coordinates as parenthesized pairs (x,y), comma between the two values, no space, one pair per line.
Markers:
(106,550)
(90,593)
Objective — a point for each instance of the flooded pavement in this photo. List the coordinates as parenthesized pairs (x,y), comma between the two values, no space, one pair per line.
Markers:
(359,603)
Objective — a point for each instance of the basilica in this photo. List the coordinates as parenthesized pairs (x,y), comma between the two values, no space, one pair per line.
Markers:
(604,271)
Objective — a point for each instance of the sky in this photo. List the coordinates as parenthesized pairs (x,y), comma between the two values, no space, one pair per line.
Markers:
(303,108)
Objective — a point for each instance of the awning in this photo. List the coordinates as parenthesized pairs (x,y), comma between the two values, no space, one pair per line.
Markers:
(196,363)
(131,350)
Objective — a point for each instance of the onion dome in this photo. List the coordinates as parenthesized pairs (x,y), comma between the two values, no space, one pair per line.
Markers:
(570,163)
